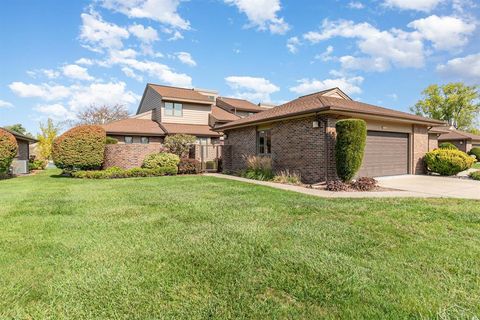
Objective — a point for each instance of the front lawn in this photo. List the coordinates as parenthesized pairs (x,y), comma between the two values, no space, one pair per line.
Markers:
(476,165)
(197,247)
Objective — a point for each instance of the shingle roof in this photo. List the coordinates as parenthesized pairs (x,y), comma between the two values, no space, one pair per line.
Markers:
(239,104)
(179,93)
(193,129)
(20,136)
(318,103)
(458,135)
(222,115)
(134,126)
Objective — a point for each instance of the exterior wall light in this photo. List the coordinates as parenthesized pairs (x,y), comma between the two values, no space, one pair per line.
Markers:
(315,124)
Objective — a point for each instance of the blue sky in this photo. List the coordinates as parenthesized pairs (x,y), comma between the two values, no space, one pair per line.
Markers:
(57,56)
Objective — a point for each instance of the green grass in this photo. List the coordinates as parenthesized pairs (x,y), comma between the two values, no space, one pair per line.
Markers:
(476,165)
(197,247)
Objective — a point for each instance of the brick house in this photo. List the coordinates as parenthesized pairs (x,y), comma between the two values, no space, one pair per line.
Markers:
(166,110)
(464,141)
(300,136)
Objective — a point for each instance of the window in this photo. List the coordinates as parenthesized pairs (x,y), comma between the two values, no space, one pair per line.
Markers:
(128,140)
(173,109)
(264,142)
(203,141)
(145,140)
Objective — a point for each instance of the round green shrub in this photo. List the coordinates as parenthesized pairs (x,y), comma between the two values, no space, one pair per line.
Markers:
(448,146)
(475,151)
(161,160)
(475,175)
(447,162)
(350,147)
(8,150)
(80,148)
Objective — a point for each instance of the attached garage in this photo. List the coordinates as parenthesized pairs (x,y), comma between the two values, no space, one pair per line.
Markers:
(386,154)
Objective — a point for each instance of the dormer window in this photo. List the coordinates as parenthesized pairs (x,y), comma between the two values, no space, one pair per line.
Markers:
(173,109)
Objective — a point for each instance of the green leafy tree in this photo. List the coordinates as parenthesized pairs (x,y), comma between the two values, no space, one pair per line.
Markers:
(179,144)
(456,103)
(350,147)
(18,128)
(48,132)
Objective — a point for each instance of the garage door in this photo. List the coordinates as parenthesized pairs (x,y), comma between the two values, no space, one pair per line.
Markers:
(386,154)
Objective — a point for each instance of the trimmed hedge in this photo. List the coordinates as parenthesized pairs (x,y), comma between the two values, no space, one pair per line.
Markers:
(447,162)
(447,145)
(179,144)
(80,148)
(160,160)
(118,173)
(475,175)
(350,147)
(8,150)
(189,166)
(475,151)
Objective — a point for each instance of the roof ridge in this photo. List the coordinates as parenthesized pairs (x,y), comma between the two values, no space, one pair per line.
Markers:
(318,92)
(165,86)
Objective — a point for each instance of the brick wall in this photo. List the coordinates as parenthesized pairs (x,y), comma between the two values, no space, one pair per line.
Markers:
(128,155)
(296,146)
(432,141)
(241,143)
(420,147)
(23,152)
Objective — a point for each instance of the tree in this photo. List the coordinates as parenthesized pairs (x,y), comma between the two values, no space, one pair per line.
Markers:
(18,128)
(350,147)
(455,103)
(48,133)
(179,144)
(98,115)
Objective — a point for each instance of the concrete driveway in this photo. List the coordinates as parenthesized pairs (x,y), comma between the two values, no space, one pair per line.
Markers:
(433,186)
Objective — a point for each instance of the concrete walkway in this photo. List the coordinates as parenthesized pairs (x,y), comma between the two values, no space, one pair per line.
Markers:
(408,186)
(436,186)
(328,194)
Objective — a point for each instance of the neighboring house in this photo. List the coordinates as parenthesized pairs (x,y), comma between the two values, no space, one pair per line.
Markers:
(20,163)
(300,136)
(166,110)
(464,141)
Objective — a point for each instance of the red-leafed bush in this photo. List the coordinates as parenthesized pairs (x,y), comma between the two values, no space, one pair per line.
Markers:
(80,148)
(364,184)
(189,166)
(8,150)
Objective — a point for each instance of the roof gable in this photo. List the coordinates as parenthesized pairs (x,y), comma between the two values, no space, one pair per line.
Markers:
(238,104)
(174,93)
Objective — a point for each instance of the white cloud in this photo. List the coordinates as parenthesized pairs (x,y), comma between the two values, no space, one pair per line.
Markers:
(43,91)
(252,88)
(367,64)
(95,32)
(5,104)
(163,11)
(355,5)
(419,5)
(155,69)
(349,85)
(85,61)
(465,68)
(292,44)
(186,58)
(49,73)
(131,74)
(403,49)
(55,111)
(445,32)
(326,55)
(262,14)
(146,35)
(76,72)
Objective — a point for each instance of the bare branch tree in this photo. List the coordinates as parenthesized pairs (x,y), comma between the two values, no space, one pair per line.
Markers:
(102,114)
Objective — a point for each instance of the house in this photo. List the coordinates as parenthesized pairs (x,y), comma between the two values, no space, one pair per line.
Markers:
(20,163)
(464,141)
(166,110)
(300,136)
